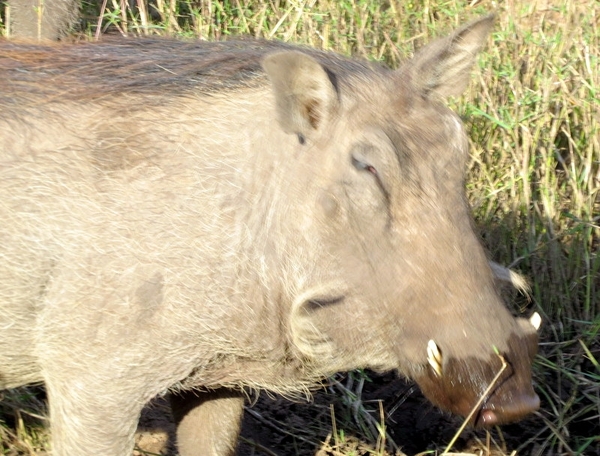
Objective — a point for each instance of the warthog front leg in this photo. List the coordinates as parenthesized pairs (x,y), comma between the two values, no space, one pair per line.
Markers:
(208,422)
(88,419)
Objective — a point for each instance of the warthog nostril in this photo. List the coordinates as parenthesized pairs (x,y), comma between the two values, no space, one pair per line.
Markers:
(518,408)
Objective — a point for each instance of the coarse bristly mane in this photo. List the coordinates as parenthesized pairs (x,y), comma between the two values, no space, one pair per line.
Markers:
(146,66)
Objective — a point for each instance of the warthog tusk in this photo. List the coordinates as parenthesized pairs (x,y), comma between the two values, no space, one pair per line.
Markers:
(434,357)
(536,320)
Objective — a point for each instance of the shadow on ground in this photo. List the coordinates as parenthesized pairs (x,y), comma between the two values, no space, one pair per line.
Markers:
(277,426)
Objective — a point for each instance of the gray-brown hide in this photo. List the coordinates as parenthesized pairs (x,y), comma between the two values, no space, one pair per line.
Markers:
(226,216)
(41,19)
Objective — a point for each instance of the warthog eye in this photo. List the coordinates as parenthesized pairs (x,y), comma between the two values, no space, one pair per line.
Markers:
(363,166)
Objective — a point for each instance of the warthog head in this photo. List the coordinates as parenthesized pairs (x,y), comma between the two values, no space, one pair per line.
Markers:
(387,214)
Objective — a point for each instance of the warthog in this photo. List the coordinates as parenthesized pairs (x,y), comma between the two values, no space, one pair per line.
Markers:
(217,217)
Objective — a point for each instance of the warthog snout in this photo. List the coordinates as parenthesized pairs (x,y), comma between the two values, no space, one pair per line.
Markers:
(490,391)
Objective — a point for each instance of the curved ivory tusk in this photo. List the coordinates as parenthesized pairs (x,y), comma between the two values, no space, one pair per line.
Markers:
(536,321)
(434,357)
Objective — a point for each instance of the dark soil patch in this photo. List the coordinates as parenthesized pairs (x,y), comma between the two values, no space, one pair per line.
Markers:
(413,425)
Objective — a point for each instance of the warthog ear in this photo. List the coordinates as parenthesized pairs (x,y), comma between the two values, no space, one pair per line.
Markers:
(304,92)
(443,67)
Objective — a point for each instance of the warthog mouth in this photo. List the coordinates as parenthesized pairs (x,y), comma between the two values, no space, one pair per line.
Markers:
(523,405)
(484,400)
(502,402)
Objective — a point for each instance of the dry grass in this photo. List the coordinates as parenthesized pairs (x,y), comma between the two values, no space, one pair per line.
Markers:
(533,114)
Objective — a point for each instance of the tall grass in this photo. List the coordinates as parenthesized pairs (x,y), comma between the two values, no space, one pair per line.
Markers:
(535,187)
(534,178)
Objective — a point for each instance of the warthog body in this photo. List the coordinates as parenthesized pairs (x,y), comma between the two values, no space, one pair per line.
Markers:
(239,215)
